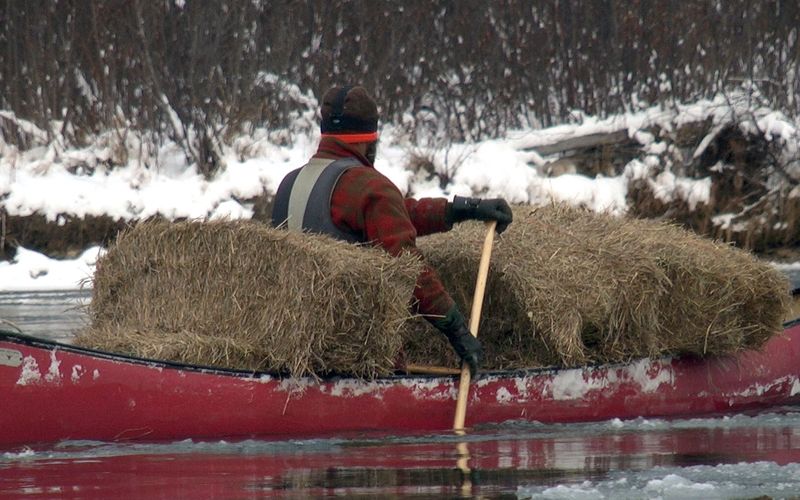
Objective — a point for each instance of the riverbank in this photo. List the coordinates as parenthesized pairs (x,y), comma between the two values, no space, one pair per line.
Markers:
(727,168)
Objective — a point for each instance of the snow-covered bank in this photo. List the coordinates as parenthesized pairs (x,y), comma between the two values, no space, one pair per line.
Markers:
(55,181)
(32,271)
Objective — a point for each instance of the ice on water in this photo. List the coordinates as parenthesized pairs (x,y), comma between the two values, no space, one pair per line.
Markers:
(701,482)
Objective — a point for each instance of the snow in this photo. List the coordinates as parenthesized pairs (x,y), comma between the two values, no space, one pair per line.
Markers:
(32,271)
(77,371)
(349,388)
(53,373)
(49,180)
(648,375)
(30,371)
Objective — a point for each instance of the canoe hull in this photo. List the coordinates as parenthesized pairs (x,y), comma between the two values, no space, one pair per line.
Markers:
(54,392)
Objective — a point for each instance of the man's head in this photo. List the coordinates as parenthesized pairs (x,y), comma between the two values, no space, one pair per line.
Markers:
(350,114)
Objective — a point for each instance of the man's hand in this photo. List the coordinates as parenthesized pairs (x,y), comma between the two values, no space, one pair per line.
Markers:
(497,209)
(467,347)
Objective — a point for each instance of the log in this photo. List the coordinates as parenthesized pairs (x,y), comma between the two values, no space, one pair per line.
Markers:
(584,141)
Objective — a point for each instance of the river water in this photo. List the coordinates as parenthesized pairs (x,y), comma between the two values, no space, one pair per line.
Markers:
(732,456)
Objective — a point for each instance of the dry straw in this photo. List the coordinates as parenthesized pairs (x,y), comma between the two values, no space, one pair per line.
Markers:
(569,287)
(242,295)
(566,287)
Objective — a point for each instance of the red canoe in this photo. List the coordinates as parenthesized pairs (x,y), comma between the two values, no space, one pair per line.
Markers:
(53,392)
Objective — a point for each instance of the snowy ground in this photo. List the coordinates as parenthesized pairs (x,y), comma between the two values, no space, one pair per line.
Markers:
(53,180)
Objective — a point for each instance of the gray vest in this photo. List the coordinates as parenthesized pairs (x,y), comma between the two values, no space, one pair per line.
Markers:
(303,199)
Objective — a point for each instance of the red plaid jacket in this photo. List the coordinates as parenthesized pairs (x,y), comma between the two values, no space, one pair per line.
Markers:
(365,202)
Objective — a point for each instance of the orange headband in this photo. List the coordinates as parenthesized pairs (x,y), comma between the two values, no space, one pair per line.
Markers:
(354,138)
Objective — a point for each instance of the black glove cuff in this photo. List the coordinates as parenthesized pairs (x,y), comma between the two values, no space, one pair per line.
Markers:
(458,332)
(466,347)
(461,209)
(451,322)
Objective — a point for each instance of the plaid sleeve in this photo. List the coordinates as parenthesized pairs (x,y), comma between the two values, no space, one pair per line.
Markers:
(366,202)
(428,215)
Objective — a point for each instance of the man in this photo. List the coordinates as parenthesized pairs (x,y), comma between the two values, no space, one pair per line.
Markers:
(340,193)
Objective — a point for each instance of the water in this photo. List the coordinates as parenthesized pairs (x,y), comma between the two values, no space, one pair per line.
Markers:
(734,456)
(53,315)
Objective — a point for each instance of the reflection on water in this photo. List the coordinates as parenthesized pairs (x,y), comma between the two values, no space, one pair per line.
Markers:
(54,315)
(793,273)
(737,456)
(611,459)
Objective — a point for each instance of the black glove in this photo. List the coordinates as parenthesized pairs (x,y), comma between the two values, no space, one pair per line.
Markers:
(466,346)
(462,209)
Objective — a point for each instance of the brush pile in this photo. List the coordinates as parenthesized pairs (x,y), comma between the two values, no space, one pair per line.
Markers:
(566,287)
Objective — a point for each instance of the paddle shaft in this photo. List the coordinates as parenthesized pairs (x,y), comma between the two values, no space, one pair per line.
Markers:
(474,320)
(431,370)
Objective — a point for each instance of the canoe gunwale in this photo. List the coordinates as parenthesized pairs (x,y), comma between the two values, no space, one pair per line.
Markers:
(29,340)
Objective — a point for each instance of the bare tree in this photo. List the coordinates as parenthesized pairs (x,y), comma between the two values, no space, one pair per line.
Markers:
(485,67)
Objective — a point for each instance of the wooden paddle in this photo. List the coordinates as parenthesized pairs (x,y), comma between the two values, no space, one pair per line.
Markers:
(474,320)
(411,368)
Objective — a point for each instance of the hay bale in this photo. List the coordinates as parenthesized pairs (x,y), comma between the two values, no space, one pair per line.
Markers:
(243,295)
(566,287)
(569,287)
(183,346)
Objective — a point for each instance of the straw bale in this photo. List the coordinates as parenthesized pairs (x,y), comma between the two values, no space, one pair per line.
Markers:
(566,287)
(569,287)
(184,347)
(247,296)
